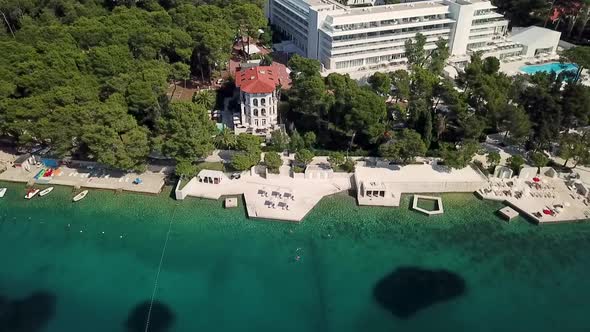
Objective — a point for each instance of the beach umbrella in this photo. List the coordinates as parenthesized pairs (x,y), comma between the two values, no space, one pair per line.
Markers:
(535,179)
(547,211)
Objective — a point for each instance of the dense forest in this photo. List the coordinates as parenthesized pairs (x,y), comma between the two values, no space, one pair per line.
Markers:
(441,116)
(89,78)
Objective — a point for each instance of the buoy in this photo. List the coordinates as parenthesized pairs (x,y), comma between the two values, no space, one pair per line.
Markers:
(80,231)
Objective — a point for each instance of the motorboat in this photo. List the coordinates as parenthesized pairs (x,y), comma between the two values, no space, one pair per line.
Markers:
(45,191)
(31,193)
(80,196)
(2,192)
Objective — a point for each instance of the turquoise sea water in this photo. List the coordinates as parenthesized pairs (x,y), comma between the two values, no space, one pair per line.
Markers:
(556,67)
(224,272)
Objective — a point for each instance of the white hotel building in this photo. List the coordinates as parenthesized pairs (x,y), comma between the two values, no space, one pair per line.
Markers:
(361,40)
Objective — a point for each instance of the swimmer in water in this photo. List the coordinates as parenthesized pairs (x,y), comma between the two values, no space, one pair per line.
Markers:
(298,258)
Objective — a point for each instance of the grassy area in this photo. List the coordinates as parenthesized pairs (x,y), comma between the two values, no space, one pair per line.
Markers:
(215,166)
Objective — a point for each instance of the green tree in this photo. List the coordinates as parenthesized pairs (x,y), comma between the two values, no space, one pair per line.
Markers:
(458,156)
(245,160)
(179,71)
(186,168)
(575,103)
(127,151)
(247,19)
(205,98)
(415,52)
(186,132)
(349,165)
(406,146)
(516,162)
(248,143)
(336,159)
(226,139)
(576,147)
(304,156)
(380,83)
(539,159)
(400,79)
(301,66)
(366,116)
(493,158)
(273,161)
(517,124)
(580,55)
(279,140)
(266,37)
(296,142)
(309,139)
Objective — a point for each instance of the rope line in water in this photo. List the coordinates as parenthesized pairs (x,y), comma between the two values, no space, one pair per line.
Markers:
(147,322)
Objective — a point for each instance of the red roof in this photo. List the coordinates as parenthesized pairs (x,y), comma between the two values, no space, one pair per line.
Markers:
(260,79)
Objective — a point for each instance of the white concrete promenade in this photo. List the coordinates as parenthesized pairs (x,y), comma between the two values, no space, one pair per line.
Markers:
(279,197)
(426,178)
(545,202)
(152,183)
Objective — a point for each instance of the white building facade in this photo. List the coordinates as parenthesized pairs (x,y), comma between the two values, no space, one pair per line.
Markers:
(259,99)
(349,39)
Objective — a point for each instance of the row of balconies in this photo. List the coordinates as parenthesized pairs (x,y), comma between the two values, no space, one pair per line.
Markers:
(399,42)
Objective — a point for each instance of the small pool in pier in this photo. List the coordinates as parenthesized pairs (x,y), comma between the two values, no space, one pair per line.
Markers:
(556,67)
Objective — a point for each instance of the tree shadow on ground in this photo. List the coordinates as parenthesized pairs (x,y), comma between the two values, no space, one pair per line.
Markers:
(407,290)
(161,318)
(30,314)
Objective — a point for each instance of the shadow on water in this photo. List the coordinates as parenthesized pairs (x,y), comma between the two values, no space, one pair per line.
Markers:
(409,289)
(161,318)
(30,314)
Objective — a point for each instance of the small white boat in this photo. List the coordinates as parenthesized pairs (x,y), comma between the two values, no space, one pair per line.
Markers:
(45,191)
(80,196)
(2,192)
(31,193)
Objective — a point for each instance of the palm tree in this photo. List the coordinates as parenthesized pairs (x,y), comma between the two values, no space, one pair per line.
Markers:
(226,139)
(206,98)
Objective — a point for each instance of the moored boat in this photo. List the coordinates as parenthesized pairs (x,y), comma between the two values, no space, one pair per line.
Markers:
(45,191)
(2,192)
(80,196)
(31,193)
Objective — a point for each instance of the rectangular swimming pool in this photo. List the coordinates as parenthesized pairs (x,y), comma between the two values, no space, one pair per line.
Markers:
(557,67)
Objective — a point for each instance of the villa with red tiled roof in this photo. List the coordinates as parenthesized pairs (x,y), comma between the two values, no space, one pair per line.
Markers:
(259,98)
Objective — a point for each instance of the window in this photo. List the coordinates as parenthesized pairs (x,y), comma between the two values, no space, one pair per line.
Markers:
(256,123)
(255,102)
(255,112)
(263,122)
(263,101)
(263,111)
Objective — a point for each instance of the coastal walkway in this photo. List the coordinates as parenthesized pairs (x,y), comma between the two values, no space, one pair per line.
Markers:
(151,183)
(280,198)
(381,184)
(547,201)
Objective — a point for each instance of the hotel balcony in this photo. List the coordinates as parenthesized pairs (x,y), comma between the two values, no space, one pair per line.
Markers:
(342,32)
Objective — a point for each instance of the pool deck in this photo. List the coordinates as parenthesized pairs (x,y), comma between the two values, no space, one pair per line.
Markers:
(513,68)
(531,199)
(152,183)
